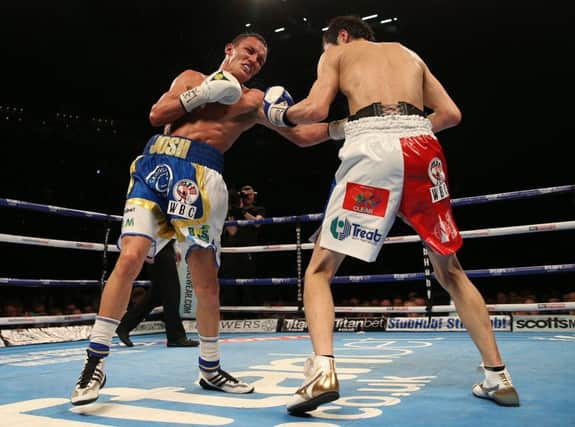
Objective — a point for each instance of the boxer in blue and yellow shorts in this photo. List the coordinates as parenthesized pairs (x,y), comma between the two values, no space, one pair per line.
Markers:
(176,187)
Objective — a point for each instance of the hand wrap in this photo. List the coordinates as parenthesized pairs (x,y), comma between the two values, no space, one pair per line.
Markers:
(336,129)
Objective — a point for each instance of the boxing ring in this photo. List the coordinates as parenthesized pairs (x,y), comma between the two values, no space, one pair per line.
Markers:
(394,369)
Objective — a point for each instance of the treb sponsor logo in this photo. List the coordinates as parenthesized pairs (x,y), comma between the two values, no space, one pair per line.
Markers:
(342,228)
(564,323)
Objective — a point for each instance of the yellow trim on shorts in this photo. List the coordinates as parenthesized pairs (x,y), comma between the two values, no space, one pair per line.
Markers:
(132,170)
(165,229)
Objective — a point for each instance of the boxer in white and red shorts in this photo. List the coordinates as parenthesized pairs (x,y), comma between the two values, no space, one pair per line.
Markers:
(390,166)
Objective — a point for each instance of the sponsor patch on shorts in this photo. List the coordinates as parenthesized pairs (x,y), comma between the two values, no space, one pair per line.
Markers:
(365,199)
(437,176)
(186,193)
(342,228)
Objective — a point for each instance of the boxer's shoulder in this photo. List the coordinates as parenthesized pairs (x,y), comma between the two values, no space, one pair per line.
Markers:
(190,78)
(252,97)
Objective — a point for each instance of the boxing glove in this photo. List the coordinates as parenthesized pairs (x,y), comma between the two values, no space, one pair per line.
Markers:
(220,86)
(277,100)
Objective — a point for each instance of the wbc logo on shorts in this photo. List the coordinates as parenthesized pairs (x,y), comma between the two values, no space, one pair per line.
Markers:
(186,193)
(437,176)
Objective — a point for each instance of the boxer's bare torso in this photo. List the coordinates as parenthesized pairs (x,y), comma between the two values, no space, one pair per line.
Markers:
(216,124)
(378,72)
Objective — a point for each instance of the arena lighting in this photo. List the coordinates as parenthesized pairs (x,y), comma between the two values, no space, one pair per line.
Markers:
(248,25)
(279,30)
(388,20)
(368,17)
(324,28)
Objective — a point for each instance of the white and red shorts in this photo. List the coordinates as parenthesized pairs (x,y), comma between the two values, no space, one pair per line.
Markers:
(390,166)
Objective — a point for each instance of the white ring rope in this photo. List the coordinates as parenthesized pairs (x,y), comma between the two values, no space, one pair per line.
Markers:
(469,234)
(53,243)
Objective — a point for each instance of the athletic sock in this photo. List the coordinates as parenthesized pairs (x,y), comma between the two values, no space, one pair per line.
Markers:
(495,368)
(209,360)
(101,336)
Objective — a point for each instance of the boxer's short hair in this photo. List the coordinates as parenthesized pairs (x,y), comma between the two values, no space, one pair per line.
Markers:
(354,25)
(242,36)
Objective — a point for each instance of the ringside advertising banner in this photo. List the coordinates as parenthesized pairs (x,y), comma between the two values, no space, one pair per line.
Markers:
(544,323)
(343,324)
(240,325)
(444,323)
(46,335)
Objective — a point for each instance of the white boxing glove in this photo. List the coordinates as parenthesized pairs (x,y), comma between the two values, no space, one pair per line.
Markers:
(336,129)
(277,100)
(220,86)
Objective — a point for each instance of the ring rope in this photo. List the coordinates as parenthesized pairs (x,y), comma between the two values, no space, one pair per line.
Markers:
(469,234)
(370,278)
(299,266)
(60,282)
(427,276)
(20,204)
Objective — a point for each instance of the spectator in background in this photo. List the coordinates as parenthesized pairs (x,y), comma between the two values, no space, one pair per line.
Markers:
(12,308)
(385,302)
(242,206)
(38,309)
(528,300)
(569,297)
(411,303)
(397,301)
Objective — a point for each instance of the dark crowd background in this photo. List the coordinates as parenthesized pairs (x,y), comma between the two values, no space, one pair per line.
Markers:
(77,83)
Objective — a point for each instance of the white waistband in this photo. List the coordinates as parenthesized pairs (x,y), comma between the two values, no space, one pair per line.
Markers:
(392,123)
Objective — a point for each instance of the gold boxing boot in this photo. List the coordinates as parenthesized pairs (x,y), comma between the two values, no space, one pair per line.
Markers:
(320,386)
